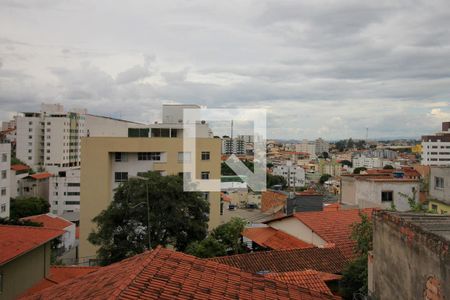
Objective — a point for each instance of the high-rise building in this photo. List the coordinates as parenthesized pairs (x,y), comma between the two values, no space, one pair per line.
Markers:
(307,147)
(5,165)
(64,191)
(294,175)
(321,146)
(51,137)
(108,161)
(436,147)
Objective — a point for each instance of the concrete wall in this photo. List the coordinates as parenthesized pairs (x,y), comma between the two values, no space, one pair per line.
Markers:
(96,174)
(5,182)
(348,190)
(440,194)
(24,272)
(407,263)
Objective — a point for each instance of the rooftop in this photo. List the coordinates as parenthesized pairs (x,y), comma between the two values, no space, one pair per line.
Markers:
(329,260)
(18,240)
(19,167)
(49,221)
(310,279)
(274,239)
(166,274)
(41,175)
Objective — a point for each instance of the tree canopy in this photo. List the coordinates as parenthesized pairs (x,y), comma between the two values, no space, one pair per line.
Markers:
(176,217)
(28,206)
(272,180)
(359,169)
(324,178)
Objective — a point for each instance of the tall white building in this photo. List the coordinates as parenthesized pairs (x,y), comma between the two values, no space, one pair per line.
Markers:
(307,147)
(363,161)
(321,146)
(5,165)
(294,175)
(436,148)
(64,191)
(51,137)
(233,146)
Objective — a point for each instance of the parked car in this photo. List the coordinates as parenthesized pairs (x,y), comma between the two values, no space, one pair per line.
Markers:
(232,207)
(252,205)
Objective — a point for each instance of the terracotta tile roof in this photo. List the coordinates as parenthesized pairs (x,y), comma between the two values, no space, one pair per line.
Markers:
(49,221)
(58,274)
(274,239)
(17,240)
(328,260)
(19,167)
(309,279)
(166,274)
(332,207)
(77,232)
(41,175)
(334,226)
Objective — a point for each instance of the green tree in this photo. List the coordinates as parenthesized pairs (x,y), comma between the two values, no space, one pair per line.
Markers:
(229,235)
(225,170)
(28,206)
(176,217)
(209,247)
(346,163)
(324,178)
(325,155)
(388,167)
(358,170)
(272,180)
(355,274)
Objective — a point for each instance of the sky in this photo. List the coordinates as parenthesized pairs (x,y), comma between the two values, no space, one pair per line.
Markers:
(325,69)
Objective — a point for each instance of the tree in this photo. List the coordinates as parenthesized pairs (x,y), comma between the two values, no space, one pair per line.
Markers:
(355,274)
(225,170)
(19,222)
(324,178)
(176,217)
(28,206)
(350,143)
(388,167)
(272,180)
(346,163)
(224,239)
(325,155)
(358,170)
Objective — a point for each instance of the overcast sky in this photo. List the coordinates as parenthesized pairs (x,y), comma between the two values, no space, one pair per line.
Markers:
(320,68)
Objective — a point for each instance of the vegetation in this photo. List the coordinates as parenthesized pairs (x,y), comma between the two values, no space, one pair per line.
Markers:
(355,274)
(358,170)
(176,218)
(225,170)
(388,167)
(225,239)
(28,206)
(19,222)
(324,178)
(346,163)
(272,180)
(415,206)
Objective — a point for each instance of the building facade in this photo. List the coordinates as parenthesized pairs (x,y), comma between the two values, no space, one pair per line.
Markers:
(294,175)
(439,189)
(64,191)
(5,181)
(436,148)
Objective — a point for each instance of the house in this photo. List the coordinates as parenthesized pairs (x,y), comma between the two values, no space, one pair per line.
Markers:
(380,189)
(35,185)
(439,189)
(166,274)
(322,228)
(5,188)
(307,200)
(270,238)
(24,257)
(410,257)
(18,172)
(54,222)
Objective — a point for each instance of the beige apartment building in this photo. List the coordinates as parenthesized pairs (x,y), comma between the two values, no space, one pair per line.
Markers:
(107,161)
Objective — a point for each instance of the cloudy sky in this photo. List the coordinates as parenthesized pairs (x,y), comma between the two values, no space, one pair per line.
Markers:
(320,68)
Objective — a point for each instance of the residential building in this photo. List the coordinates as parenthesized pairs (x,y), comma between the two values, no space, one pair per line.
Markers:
(263,238)
(308,147)
(166,274)
(51,221)
(294,175)
(410,257)
(382,190)
(35,185)
(331,167)
(436,148)
(307,200)
(439,189)
(233,146)
(321,146)
(64,191)
(323,229)
(362,161)
(51,137)
(24,257)
(18,172)
(109,161)
(5,189)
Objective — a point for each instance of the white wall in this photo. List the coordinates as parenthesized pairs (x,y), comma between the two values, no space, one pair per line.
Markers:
(297,174)
(64,189)
(296,228)
(436,153)
(5,165)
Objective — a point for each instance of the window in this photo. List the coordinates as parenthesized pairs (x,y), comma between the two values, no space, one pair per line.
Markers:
(438,182)
(120,176)
(149,155)
(205,175)
(73,193)
(184,156)
(30,137)
(387,196)
(4,157)
(138,132)
(3,208)
(434,207)
(3,192)
(30,123)
(72,202)
(3,174)
(30,129)
(73,184)
(205,155)
(120,156)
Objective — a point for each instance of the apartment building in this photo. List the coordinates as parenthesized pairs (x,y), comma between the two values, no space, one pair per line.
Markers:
(108,161)
(233,146)
(294,175)
(51,137)
(321,146)
(64,191)
(379,190)
(5,165)
(362,161)
(436,147)
(307,147)
(439,189)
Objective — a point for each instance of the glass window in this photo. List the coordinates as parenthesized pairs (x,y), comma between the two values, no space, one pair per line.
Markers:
(149,156)
(438,182)
(387,196)
(120,156)
(205,155)
(184,156)
(120,176)
(3,192)
(4,157)
(3,208)
(205,175)
(3,174)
